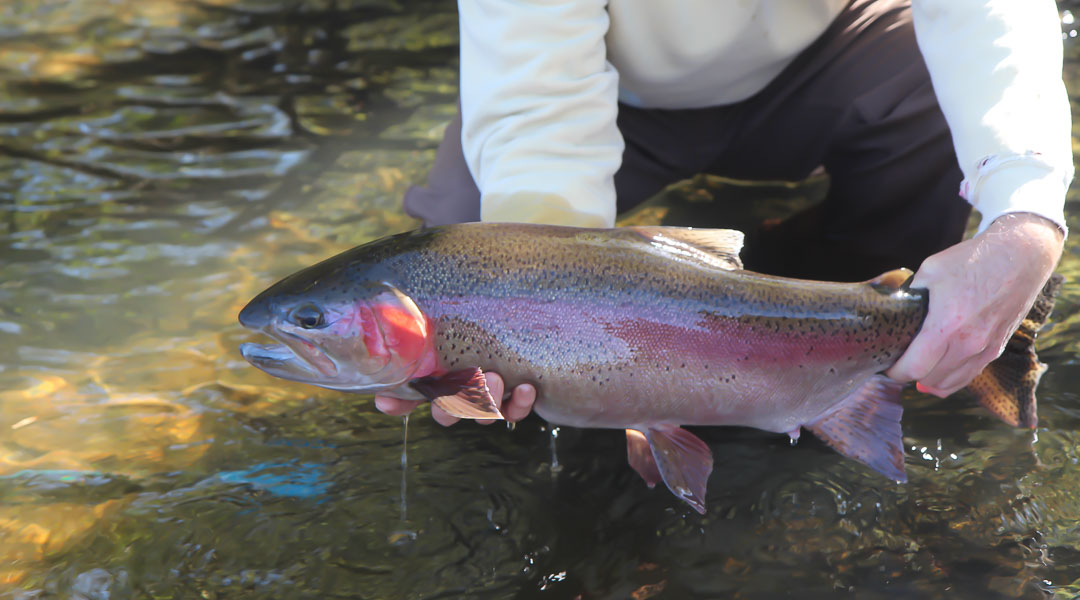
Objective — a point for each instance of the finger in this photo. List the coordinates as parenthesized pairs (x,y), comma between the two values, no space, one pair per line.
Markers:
(967,357)
(930,344)
(921,357)
(442,417)
(941,390)
(521,403)
(394,406)
(946,381)
(949,374)
(930,390)
(495,387)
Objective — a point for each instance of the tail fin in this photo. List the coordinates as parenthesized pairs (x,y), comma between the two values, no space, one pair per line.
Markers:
(1006,387)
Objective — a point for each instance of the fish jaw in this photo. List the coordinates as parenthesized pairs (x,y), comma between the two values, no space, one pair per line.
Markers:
(307,361)
(295,359)
(280,361)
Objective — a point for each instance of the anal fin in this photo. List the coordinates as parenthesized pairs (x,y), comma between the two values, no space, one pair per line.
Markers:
(463,394)
(866,426)
(684,462)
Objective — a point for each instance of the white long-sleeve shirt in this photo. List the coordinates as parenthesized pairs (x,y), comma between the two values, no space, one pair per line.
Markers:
(541,79)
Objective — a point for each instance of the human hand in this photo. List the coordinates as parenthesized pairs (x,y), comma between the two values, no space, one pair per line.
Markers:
(980,290)
(518,407)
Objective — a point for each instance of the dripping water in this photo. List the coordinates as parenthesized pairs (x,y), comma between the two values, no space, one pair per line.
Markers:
(404,465)
(555,466)
(404,535)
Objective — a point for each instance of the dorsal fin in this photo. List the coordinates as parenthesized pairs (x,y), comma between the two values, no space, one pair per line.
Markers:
(715,247)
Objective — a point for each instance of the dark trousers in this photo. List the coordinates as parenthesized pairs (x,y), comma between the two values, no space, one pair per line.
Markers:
(858,102)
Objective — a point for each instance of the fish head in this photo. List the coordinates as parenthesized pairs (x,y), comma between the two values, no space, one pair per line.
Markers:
(360,337)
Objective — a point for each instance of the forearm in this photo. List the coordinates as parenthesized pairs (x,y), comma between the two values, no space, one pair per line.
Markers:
(1032,246)
(539,102)
(996,70)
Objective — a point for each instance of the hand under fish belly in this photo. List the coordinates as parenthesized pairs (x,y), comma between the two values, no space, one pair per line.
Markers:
(640,328)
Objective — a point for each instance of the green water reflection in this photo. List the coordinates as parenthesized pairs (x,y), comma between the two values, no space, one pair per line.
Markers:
(161,161)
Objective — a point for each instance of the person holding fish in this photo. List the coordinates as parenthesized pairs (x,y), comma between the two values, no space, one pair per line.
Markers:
(919,111)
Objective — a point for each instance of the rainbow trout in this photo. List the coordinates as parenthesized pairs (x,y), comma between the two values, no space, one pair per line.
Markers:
(637,328)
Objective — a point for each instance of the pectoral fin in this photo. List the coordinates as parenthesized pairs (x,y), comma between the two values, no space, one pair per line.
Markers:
(684,462)
(463,394)
(866,426)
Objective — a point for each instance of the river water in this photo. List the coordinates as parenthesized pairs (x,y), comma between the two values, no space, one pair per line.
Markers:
(161,161)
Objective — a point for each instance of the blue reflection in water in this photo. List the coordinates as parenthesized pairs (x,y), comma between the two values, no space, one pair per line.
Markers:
(291,479)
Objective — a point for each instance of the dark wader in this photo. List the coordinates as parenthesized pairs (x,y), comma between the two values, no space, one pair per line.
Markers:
(858,101)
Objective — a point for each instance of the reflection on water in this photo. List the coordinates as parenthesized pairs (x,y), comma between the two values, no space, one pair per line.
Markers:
(161,161)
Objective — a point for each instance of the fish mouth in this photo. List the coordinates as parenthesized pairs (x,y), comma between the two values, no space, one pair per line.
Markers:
(295,359)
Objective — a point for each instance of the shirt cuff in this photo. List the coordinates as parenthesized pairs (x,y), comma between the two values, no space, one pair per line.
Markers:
(1022,188)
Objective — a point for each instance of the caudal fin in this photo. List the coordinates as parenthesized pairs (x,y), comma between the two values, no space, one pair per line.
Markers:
(1006,387)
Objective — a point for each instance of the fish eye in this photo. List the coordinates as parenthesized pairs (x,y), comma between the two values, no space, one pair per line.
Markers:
(308,317)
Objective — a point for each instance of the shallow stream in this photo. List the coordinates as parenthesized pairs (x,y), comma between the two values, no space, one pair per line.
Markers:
(161,161)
